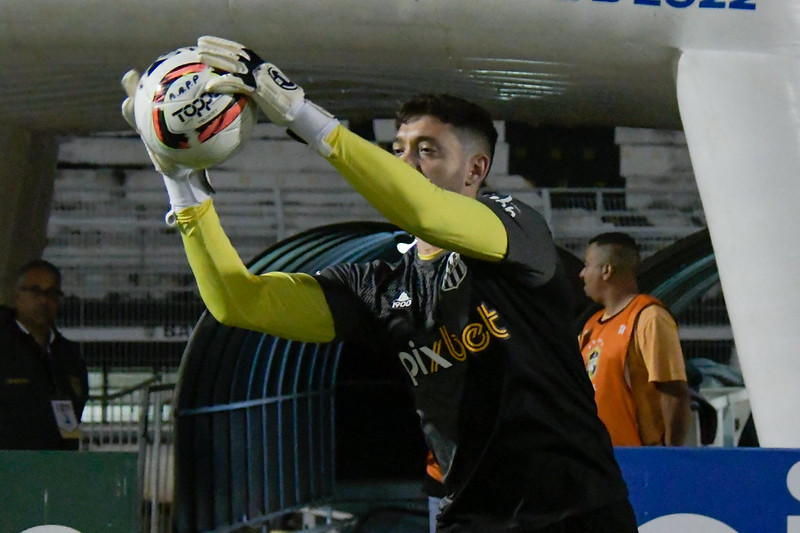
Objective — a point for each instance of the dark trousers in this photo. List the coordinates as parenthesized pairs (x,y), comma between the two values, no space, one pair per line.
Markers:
(614,518)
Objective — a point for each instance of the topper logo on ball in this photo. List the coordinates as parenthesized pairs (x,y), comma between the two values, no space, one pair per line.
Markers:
(196,107)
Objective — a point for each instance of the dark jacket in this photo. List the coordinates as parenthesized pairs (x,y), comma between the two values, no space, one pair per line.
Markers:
(30,380)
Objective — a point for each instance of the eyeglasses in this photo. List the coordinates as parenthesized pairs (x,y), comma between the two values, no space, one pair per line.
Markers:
(51,294)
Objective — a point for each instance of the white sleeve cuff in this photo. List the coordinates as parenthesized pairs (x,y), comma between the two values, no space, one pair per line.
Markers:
(187,188)
(312,124)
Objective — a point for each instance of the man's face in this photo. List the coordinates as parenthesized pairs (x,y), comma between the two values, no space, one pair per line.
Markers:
(36,298)
(435,149)
(594,263)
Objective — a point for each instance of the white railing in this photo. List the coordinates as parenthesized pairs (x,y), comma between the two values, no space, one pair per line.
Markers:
(138,419)
(157,458)
(111,420)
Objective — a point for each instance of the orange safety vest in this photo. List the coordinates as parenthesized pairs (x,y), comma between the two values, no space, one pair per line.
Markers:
(604,345)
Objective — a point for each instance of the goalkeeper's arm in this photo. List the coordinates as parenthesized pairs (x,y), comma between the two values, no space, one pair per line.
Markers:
(399,192)
(286,305)
(443,218)
(290,306)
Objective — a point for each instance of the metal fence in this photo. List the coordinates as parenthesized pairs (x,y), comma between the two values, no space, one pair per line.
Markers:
(111,418)
(157,458)
(138,418)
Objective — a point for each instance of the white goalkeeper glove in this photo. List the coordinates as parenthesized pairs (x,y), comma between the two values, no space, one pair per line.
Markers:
(282,100)
(185,186)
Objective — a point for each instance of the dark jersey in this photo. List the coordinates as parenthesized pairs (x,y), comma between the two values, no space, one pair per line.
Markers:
(499,383)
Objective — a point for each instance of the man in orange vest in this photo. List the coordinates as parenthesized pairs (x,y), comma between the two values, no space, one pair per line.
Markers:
(632,351)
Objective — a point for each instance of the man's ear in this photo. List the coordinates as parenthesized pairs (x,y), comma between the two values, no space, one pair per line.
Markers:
(478,169)
(607,270)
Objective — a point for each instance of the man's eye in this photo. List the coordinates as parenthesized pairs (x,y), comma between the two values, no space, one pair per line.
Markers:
(396,150)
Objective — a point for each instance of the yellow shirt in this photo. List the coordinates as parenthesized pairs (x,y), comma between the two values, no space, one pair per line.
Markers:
(292,305)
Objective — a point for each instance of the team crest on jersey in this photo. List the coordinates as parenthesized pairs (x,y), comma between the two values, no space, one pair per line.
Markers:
(402,301)
(591,362)
(455,272)
(592,350)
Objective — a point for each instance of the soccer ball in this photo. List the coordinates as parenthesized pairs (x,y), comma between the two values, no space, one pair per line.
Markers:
(183,124)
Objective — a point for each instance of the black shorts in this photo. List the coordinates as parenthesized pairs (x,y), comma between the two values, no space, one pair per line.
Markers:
(614,518)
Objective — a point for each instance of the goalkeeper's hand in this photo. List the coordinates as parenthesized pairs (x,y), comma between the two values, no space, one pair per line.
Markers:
(185,186)
(130,82)
(282,100)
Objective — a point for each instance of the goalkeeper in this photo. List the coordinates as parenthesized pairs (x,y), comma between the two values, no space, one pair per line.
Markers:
(478,312)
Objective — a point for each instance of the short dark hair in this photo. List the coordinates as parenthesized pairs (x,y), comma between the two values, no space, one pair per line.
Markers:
(623,252)
(40,264)
(615,237)
(454,111)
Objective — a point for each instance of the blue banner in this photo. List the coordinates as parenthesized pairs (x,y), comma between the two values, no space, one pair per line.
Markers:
(713,490)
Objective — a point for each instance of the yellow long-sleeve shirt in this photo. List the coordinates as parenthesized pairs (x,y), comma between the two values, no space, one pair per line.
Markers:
(292,305)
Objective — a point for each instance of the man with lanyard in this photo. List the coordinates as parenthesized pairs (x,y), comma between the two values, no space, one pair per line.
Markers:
(477,312)
(44,383)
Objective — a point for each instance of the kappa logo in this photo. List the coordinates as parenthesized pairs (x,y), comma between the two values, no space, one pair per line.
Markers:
(505,203)
(455,272)
(402,301)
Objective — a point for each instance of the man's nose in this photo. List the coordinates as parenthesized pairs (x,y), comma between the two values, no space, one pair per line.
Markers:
(409,158)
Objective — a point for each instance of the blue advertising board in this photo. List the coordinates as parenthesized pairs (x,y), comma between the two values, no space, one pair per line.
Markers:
(713,490)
